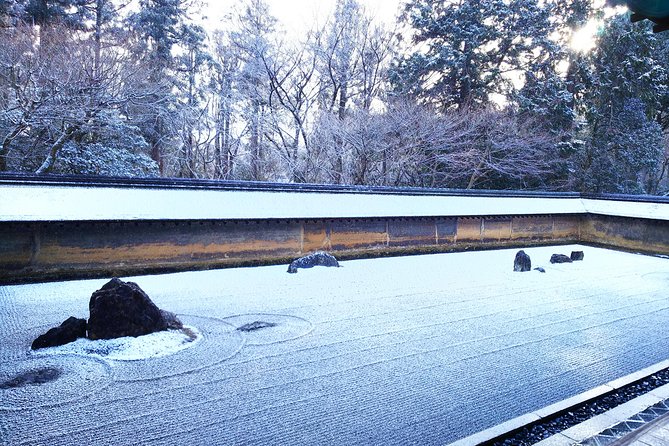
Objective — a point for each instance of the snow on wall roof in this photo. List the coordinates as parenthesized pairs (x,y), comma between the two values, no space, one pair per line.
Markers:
(656,211)
(57,203)
(67,203)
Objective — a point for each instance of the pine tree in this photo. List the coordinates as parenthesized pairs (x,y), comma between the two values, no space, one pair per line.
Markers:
(624,108)
(252,39)
(468,52)
(158,26)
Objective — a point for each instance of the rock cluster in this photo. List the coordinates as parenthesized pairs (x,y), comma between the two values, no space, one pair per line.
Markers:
(319,258)
(522,261)
(117,309)
(573,257)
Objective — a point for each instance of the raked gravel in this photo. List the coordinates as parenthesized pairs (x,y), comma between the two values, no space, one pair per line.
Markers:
(393,351)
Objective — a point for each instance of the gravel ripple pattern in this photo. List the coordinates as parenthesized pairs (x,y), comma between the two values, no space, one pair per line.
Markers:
(413,350)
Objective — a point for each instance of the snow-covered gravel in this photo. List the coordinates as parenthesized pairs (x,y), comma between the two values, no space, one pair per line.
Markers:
(154,345)
(411,350)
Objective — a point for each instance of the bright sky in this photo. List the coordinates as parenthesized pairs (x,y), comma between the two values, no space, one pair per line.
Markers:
(298,16)
(584,39)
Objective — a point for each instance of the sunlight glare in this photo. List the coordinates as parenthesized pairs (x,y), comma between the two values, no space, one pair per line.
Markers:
(583,40)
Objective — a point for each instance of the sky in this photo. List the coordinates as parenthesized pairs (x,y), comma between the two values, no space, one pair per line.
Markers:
(298,16)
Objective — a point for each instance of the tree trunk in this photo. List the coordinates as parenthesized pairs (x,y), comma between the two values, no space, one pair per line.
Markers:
(255,144)
(339,143)
(50,160)
(227,146)
(98,39)
(4,149)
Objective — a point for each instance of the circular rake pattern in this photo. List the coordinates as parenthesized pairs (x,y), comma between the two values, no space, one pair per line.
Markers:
(659,276)
(45,381)
(220,341)
(264,329)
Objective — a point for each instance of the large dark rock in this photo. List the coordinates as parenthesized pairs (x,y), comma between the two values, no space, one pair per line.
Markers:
(560,258)
(319,258)
(576,255)
(522,262)
(69,331)
(122,309)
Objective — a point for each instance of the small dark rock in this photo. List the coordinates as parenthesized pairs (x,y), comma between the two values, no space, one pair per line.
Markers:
(173,322)
(576,255)
(522,262)
(32,378)
(69,331)
(319,258)
(540,269)
(102,350)
(122,309)
(256,325)
(560,258)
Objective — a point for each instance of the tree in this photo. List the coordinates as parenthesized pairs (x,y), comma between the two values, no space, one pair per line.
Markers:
(467,52)
(293,97)
(624,108)
(158,27)
(414,145)
(48,12)
(224,76)
(252,38)
(353,61)
(55,96)
(189,66)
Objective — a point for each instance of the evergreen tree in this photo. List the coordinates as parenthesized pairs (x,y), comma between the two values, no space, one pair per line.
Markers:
(623,107)
(190,65)
(64,90)
(252,39)
(158,27)
(467,52)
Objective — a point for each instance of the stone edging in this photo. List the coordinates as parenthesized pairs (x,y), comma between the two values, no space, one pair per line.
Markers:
(649,399)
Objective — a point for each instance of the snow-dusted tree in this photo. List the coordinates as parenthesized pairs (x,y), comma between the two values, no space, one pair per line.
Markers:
(292,101)
(627,157)
(115,148)
(414,145)
(339,62)
(354,57)
(252,39)
(55,96)
(466,52)
(624,107)
(195,134)
(47,12)
(505,151)
(224,105)
(157,28)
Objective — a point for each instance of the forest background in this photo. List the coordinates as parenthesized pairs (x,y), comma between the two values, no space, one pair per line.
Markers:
(487,94)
